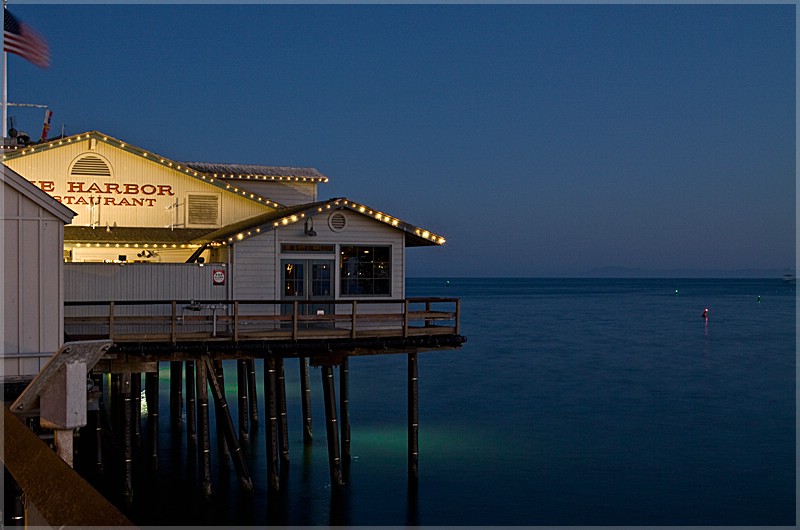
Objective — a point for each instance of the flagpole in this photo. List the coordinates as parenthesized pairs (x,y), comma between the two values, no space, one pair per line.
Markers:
(5,76)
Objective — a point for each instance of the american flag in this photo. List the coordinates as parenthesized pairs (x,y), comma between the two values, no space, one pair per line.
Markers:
(22,40)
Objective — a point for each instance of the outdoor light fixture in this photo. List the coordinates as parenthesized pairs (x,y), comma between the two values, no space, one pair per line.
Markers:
(309,228)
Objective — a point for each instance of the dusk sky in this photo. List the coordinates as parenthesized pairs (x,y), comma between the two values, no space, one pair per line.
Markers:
(540,140)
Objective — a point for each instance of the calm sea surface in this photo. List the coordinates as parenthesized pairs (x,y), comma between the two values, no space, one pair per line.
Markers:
(574,402)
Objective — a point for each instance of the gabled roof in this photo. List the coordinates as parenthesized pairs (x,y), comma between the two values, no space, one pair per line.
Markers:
(34,193)
(414,235)
(213,174)
(257,172)
(153,236)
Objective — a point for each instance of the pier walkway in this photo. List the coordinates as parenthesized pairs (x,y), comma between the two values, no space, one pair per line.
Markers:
(310,328)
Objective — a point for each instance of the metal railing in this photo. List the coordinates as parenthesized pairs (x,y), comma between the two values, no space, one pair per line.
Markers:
(236,320)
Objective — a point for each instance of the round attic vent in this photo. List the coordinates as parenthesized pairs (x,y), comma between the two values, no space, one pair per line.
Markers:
(337,221)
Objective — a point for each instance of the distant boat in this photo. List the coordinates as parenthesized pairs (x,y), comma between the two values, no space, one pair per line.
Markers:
(788,277)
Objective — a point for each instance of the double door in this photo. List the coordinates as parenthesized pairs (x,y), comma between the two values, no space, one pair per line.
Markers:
(307,280)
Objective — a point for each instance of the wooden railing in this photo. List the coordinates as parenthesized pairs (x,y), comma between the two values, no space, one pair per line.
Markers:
(239,320)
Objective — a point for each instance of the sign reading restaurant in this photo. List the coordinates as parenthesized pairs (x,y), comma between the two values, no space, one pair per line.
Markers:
(106,194)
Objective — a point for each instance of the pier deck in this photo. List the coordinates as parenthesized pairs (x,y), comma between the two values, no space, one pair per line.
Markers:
(149,328)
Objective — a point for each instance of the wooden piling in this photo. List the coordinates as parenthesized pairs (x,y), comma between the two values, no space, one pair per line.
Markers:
(96,418)
(175,393)
(219,375)
(252,392)
(203,437)
(283,427)
(225,424)
(305,389)
(136,411)
(127,448)
(344,407)
(270,409)
(151,395)
(329,394)
(191,422)
(241,388)
(413,417)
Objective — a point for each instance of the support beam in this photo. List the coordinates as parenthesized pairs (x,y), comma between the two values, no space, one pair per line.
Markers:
(413,417)
(151,395)
(203,437)
(216,369)
(225,424)
(283,427)
(270,410)
(241,388)
(175,393)
(329,393)
(127,448)
(252,391)
(136,411)
(305,389)
(191,407)
(344,407)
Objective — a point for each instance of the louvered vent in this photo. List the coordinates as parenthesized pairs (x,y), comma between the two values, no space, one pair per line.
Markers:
(91,166)
(203,210)
(337,221)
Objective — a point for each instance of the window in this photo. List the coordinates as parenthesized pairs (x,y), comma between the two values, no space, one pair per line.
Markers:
(366,270)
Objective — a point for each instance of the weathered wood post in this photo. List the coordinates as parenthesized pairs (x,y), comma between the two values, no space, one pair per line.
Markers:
(305,389)
(252,392)
(283,427)
(270,410)
(413,417)
(175,393)
(225,424)
(127,449)
(151,395)
(191,415)
(344,407)
(203,436)
(329,394)
(136,402)
(219,376)
(241,388)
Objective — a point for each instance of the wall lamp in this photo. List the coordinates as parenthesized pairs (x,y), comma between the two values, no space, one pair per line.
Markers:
(309,228)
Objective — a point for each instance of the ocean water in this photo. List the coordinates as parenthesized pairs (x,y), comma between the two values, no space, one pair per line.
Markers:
(574,402)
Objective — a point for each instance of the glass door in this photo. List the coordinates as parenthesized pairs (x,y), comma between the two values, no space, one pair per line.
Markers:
(308,280)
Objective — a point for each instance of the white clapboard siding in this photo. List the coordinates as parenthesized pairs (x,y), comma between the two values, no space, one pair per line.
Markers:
(255,272)
(32,282)
(50,170)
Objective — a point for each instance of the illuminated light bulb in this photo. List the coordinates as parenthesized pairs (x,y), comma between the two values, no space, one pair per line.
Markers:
(174,245)
(425,234)
(285,221)
(276,223)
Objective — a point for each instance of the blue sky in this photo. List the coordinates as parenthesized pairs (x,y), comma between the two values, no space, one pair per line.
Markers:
(541,140)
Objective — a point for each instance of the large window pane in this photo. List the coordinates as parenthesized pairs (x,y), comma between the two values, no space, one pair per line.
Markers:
(366,270)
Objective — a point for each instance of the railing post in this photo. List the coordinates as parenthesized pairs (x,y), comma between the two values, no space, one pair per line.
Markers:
(295,307)
(111,320)
(405,318)
(174,321)
(353,330)
(236,321)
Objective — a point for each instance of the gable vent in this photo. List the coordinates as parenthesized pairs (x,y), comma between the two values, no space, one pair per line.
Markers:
(91,166)
(203,210)
(337,221)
